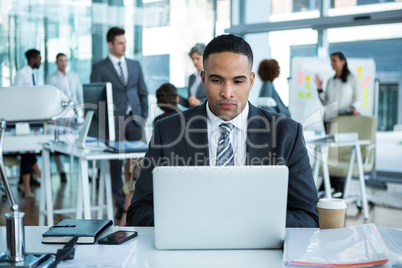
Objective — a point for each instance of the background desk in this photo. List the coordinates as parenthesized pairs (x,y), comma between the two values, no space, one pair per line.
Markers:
(321,156)
(24,143)
(83,196)
(146,255)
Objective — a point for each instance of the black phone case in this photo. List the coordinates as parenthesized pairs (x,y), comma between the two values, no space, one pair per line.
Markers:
(107,242)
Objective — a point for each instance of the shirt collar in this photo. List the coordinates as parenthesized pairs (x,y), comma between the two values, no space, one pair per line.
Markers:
(240,121)
(115,59)
(28,67)
(60,73)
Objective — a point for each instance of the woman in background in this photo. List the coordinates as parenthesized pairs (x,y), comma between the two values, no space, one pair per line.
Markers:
(167,100)
(341,97)
(268,70)
(196,91)
(343,93)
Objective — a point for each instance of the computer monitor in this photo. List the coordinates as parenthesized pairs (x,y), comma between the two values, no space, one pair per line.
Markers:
(98,97)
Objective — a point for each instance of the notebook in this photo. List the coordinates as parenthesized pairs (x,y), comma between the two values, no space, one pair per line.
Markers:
(220,207)
(87,230)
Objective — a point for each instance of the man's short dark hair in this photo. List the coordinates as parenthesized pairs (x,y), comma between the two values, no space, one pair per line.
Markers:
(113,32)
(32,54)
(197,48)
(228,43)
(60,55)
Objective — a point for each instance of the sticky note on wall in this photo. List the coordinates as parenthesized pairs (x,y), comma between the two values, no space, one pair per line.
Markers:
(300,78)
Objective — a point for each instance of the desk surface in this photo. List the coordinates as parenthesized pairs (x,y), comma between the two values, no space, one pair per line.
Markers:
(24,143)
(89,154)
(146,255)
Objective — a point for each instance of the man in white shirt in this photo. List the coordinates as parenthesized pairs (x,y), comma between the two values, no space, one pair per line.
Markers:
(28,165)
(25,76)
(70,84)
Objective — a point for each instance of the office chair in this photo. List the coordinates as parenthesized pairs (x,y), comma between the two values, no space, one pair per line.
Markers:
(365,126)
(27,105)
(339,157)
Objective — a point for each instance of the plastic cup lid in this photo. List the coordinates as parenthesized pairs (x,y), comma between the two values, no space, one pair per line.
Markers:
(331,203)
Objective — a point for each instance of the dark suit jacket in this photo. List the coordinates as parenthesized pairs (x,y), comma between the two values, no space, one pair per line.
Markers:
(135,92)
(271,140)
(200,94)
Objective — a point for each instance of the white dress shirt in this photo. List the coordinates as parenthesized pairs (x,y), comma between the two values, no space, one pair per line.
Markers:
(69,83)
(24,77)
(238,136)
(115,62)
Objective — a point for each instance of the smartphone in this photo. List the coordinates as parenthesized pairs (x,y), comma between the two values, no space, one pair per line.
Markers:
(118,237)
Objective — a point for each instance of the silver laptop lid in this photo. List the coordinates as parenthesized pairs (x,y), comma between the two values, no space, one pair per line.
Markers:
(220,207)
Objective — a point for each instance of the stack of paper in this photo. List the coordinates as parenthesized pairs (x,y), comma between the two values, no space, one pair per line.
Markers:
(110,256)
(356,246)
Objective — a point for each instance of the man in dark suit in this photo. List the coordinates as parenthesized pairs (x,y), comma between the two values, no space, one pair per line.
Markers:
(196,90)
(256,136)
(130,97)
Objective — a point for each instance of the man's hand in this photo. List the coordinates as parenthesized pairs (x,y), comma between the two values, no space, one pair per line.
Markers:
(193,101)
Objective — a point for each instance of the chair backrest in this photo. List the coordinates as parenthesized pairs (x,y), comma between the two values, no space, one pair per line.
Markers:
(365,126)
(32,104)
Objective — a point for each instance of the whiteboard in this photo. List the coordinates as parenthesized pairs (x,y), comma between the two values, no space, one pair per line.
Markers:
(304,104)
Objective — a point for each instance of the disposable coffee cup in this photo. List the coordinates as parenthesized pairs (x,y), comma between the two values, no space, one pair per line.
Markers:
(331,213)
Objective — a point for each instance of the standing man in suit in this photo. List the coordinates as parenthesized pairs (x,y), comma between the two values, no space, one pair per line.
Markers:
(196,90)
(130,97)
(228,130)
(70,84)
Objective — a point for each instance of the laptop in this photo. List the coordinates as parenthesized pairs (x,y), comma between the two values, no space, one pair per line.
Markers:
(220,207)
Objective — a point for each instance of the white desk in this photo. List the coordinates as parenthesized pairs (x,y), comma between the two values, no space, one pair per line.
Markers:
(24,143)
(322,157)
(146,255)
(83,196)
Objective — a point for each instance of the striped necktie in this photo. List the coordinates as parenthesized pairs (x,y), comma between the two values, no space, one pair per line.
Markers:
(121,74)
(224,154)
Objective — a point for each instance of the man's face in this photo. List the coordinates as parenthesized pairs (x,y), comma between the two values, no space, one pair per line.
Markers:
(118,46)
(61,63)
(228,80)
(37,62)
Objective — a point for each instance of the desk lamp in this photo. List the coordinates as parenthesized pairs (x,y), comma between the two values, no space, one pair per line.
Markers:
(25,105)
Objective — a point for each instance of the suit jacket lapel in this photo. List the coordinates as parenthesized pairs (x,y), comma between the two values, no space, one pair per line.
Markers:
(196,136)
(129,70)
(259,135)
(113,70)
